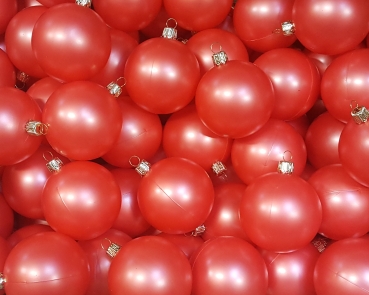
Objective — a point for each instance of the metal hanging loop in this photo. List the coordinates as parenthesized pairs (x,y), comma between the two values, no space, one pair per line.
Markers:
(287,29)
(2,281)
(36,128)
(170,32)
(85,3)
(284,166)
(113,248)
(218,168)
(53,165)
(359,114)
(142,167)
(114,88)
(219,57)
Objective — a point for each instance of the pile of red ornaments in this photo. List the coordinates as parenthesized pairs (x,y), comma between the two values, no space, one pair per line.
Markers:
(176,147)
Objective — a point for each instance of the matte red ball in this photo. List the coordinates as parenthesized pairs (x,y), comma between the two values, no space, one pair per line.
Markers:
(23,183)
(345,203)
(140,135)
(280,212)
(342,268)
(8,9)
(50,263)
(345,24)
(185,136)
(295,79)
(258,23)
(82,200)
(99,260)
(17,108)
(122,44)
(208,42)
(150,265)
(228,265)
(189,244)
(344,84)
(18,38)
(259,153)
(235,99)
(176,187)
(291,273)
(162,75)
(84,120)
(198,15)
(353,150)
(130,219)
(129,15)
(322,138)
(70,42)
(224,218)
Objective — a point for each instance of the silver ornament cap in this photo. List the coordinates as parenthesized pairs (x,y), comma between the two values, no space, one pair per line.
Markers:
(359,113)
(142,167)
(284,166)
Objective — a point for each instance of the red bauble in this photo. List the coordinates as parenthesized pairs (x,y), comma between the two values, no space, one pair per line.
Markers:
(129,15)
(71,42)
(82,200)
(84,120)
(42,89)
(23,183)
(46,263)
(291,273)
(228,265)
(280,213)
(258,154)
(130,219)
(296,81)
(187,137)
(176,187)
(122,44)
(140,135)
(345,82)
(342,268)
(345,203)
(8,9)
(18,38)
(16,110)
(258,23)
(322,140)
(197,16)
(99,260)
(353,150)
(207,42)
(162,75)
(235,99)
(150,265)
(331,27)
(224,219)
(25,232)
(189,244)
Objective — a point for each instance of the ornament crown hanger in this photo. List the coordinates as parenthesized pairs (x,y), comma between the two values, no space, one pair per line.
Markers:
(170,32)
(2,281)
(53,165)
(359,113)
(142,167)
(284,166)
(287,28)
(85,3)
(36,128)
(219,57)
(113,248)
(114,88)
